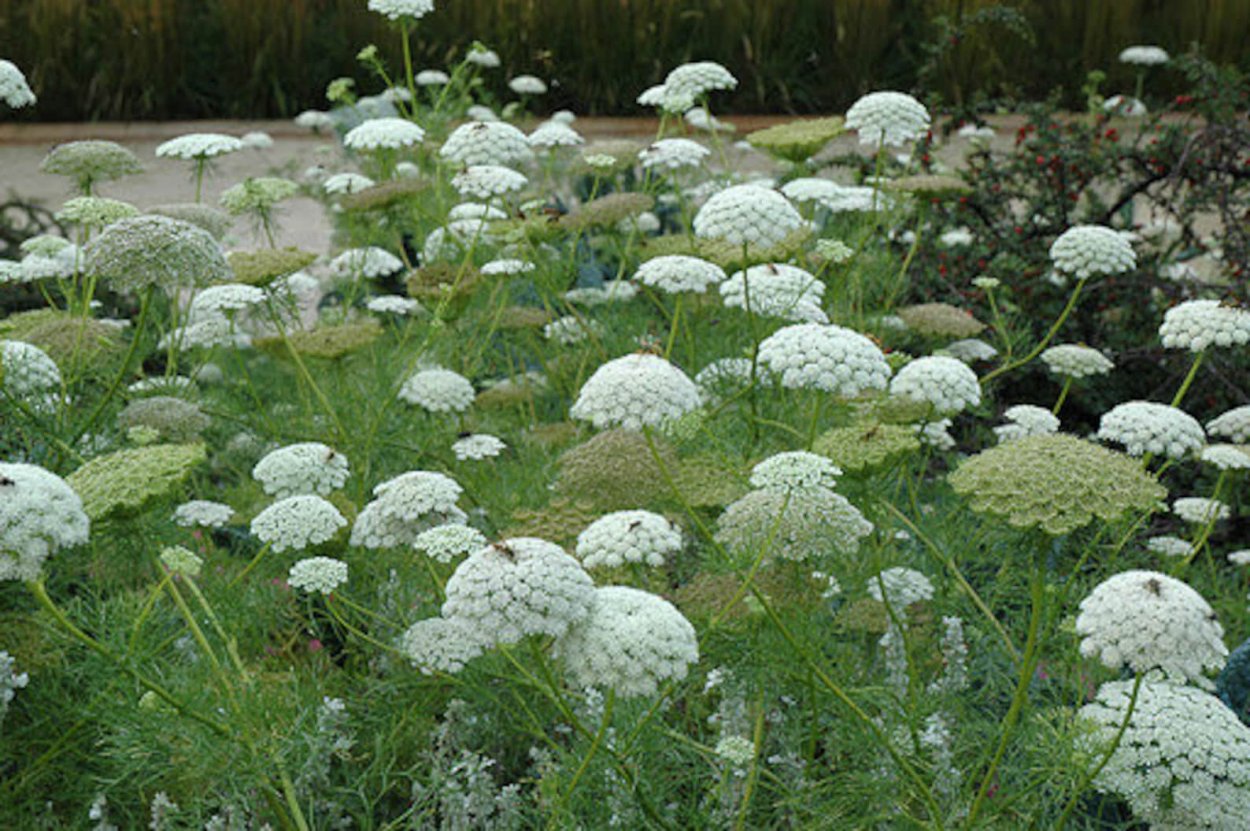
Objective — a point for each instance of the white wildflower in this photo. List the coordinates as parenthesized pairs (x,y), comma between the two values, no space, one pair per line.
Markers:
(297,522)
(628,537)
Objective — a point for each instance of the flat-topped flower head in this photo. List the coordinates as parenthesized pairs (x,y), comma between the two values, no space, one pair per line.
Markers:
(198,146)
(519,587)
(26,370)
(1055,482)
(438,390)
(203,513)
(486,181)
(307,467)
(673,154)
(315,120)
(1072,360)
(528,85)
(39,515)
(1183,761)
(1226,456)
(14,90)
(486,142)
(413,495)
(400,9)
(825,357)
(432,78)
(1144,620)
(1200,510)
(444,543)
(675,273)
(224,299)
(551,134)
(631,642)
(628,537)
(1233,425)
(795,470)
(1146,427)
(440,644)
(634,391)
(257,193)
(1144,55)
(94,212)
(946,384)
(90,161)
(776,290)
(893,118)
(692,80)
(145,251)
(123,483)
(370,261)
(478,446)
(318,574)
(747,215)
(791,524)
(1198,324)
(1024,420)
(1087,250)
(297,522)
(383,134)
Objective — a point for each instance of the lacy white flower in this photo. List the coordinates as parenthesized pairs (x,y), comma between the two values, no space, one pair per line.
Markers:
(633,391)
(1182,763)
(695,79)
(304,468)
(315,120)
(527,85)
(1198,324)
(792,525)
(1240,557)
(673,154)
(297,522)
(431,78)
(416,494)
(388,522)
(207,330)
(1074,361)
(631,642)
(628,537)
(94,211)
(1146,427)
(945,383)
(1198,509)
(670,101)
(936,434)
(612,291)
(569,329)
(133,254)
(438,391)
(971,350)
(676,273)
(1144,55)
(519,587)
(318,574)
(10,681)
(393,304)
(776,290)
(1226,457)
(197,146)
(383,134)
(555,134)
(725,377)
(795,470)
(747,214)
(479,55)
(508,266)
(370,261)
(903,587)
(14,90)
(257,194)
(1169,546)
(1086,250)
(441,644)
(478,446)
(444,543)
(203,513)
(1026,420)
(341,183)
(474,210)
(1145,620)
(484,181)
(836,198)
(396,9)
(1234,425)
(26,370)
(893,118)
(227,297)
(701,118)
(738,751)
(486,142)
(825,357)
(39,514)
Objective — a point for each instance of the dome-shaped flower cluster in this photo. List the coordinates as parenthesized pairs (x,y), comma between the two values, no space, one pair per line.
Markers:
(673,154)
(791,525)
(486,142)
(747,215)
(1146,427)
(946,384)
(223,298)
(519,587)
(1055,482)
(1025,420)
(1167,545)
(1144,620)
(444,543)
(1198,324)
(633,391)
(776,290)
(1086,250)
(406,505)
(14,90)
(90,161)
(39,514)
(1144,55)
(795,470)
(26,370)
(1233,424)
(398,9)
(1198,509)
(478,446)
(341,183)
(94,211)
(304,468)
(692,80)
(198,146)
(485,181)
(133,254)
(370,261)
(203,513)
(552,134)
(383,134)
(630,642)
(893,118)
(903,587)
(440,644)
(173,419)
(824,357)
(1072,360)
(318,574)
(297,522)
(1182,763)
(1226,456)
(438,390)
(679,272)
(628,537)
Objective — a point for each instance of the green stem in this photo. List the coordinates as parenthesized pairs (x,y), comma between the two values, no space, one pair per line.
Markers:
(251,565)
(1189,378)
(1037,350)
(144,303)
(1063,396)
(590,754)
(1115,744)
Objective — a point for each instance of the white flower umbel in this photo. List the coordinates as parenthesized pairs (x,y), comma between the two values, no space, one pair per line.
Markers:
(304,468)
(1233,425)
(318,574)
(315,120)
(519,587)
(1026,420)
(297,522)
(486,181)
(14,90)
(970,350)
(341,183)
(383,134)
(692,80)
(795,470)
(747,214)
(1183,762)
(1197,509)
(441,644)
(825,357)
(792,525)
(486,142)
(413,495)
(477,447)
(1169,546)
(1085,250)
(903,587)
(26,370)
(628,537)
(893,118)
(1070,360)
(198,146)
(947,384)
(631,642)
(673,154)
(399,9)
(569,329)
(431,78)
(393,304)
(39,514)
(1146,427)
(776,290)
(552,134)
(370,261)
(438,391)
(1226,457)
(202,513)
(675,273)
(1146,620)
(227,297)
(634,391)
(10,681)
(444,543)
(1144,55)
(528,85)
(1198,324)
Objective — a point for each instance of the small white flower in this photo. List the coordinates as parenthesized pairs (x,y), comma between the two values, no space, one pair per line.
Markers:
(441,644)
(1234,425)
(893,118)
(825,357)
(1169,546)
(1086,250)
(1075,361)
(628,537)
(633,391)
(14,90)
(393,304)
(1226,457)
(431,78)
(203,513)
(673,154)
(486,143)
(304,468)
(341,183)
(747,214)
(484,181)
(318,574)
(39,514)
(903,587)
(776,290)
(396,9)
(527,85)
(945,383)
(1196,509)
(795,470)
(383,134)
(196,146)
(438,390)
(554,134)
(676,273)
(297,522)
(444,543)
(1026,420)
(695,79)
(1198,324)
(370,261)
(1144,55)
(1146,427)
(477,447)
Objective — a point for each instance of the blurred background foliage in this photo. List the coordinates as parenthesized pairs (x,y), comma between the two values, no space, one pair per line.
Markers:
(137,59)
